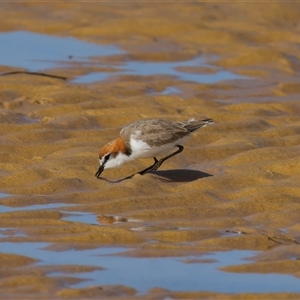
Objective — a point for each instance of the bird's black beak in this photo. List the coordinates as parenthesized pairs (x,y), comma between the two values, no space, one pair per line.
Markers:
(100,170)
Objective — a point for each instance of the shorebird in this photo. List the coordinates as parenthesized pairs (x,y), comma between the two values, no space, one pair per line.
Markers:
(147,139)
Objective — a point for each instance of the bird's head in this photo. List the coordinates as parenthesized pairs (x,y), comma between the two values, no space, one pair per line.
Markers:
(112,155)
(103,160)
(106,154)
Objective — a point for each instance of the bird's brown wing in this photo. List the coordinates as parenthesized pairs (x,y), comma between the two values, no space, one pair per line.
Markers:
(193,125)
(155,132)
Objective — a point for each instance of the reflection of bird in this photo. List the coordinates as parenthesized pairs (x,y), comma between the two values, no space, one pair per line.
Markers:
(110,219)
(146,139)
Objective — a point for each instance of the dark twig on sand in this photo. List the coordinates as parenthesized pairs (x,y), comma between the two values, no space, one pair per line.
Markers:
(33,73)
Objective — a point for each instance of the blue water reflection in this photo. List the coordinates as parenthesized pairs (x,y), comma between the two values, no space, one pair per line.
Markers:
(145,68)
(34,51)
(171,273)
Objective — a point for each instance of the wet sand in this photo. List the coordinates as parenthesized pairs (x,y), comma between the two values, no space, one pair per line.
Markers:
(234,187)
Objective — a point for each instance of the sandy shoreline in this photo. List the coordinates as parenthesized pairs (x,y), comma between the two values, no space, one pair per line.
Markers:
(234,187)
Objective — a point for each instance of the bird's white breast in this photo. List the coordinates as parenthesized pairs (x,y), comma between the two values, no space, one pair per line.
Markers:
(117,161)
(141,149)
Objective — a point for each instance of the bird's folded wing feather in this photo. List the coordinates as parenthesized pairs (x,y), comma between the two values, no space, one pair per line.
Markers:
(155,132)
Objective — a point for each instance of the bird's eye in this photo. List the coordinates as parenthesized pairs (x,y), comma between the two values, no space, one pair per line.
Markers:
(106,157)
(103,159)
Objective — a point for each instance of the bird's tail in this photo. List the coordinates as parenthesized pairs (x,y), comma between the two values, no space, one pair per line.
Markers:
(192,124)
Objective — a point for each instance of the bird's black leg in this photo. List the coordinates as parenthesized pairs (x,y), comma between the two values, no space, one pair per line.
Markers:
(159,163)
(149,168)
(144,171)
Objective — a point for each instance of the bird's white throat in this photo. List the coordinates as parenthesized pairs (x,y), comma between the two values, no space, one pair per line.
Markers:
(117,161)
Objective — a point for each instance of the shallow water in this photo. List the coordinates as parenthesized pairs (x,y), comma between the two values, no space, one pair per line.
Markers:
(2,195)
(4,209)
(190,273)
(144,68)
(41,51)
(9,232)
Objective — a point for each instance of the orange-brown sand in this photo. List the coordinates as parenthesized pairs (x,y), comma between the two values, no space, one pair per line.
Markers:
(235,186)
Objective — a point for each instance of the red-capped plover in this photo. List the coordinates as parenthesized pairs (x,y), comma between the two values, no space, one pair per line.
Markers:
(147,139)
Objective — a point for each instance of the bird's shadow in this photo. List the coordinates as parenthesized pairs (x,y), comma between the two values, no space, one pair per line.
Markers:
(177,175)
(180,175)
